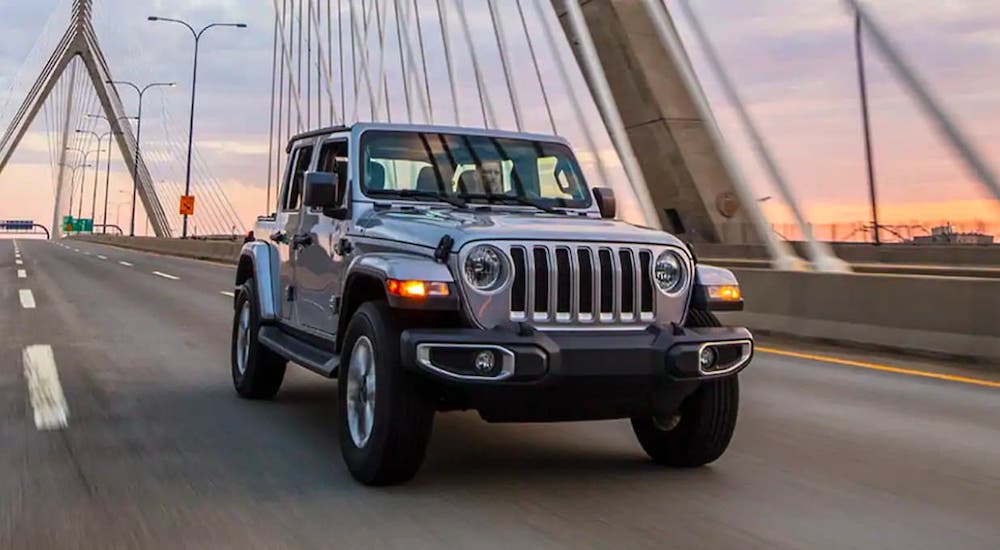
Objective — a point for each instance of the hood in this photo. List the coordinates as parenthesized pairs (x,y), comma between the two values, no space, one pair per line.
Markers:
(426,227)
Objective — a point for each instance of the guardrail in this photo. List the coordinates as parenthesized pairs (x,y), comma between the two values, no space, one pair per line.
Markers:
(216,251)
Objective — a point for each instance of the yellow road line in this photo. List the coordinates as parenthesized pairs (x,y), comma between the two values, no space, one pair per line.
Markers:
(883,368)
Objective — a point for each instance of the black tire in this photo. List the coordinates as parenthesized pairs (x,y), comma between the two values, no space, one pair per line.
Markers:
(703,426)
(265,370)
(403,415)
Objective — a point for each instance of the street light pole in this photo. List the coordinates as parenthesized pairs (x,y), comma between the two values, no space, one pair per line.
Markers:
(194,88)
(107,180)
(72,180)
(138,136)
(83,181)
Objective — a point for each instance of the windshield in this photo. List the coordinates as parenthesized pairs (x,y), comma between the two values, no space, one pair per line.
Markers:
(472,169)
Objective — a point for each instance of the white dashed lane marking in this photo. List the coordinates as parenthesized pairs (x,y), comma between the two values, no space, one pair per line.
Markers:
(166,276)
(22,274)
(18,262)
(228,293)
(44,389)
(27,298)
(100,257)
(126,264)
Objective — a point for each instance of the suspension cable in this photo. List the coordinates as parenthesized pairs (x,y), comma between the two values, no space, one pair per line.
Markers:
(423,62)
(498,33)
(570,89)
(534,63)
(402,63)
(489,118)
(443,24)
(270,132)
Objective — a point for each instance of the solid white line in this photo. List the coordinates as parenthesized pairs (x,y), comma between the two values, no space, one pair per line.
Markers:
(27,298)
(166,276)
(228,293)
(44,389)
(126,264)
(22,274)
(99,257)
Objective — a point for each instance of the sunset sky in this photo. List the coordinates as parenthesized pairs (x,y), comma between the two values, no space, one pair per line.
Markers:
(793,61)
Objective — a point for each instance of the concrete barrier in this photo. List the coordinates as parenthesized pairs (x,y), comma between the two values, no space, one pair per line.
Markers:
(952,316)
(860,253)
(216,251)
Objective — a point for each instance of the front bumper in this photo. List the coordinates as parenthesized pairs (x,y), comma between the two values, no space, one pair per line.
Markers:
(541,375)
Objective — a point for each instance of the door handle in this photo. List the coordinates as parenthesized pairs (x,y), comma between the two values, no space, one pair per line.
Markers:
(302,239)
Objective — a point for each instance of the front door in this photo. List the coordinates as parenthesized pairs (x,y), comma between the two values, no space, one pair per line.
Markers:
(319,268)
(289,218)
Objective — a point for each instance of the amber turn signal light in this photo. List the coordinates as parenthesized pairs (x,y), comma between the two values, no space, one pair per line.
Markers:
(725,293)
(416,289)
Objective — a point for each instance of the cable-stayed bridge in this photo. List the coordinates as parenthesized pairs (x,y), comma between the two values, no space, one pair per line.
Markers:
(119,427)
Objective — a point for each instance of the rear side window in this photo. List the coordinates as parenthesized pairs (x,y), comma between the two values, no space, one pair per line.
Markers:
(293,186)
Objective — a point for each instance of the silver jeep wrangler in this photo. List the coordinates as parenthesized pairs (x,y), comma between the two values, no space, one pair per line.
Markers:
(435,269)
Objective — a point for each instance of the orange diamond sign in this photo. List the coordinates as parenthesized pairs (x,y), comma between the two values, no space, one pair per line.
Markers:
(187,205)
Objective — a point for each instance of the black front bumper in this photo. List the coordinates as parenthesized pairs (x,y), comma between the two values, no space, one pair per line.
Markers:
(569,375)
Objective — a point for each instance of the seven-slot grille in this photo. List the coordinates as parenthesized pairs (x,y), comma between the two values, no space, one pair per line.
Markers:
(568,283)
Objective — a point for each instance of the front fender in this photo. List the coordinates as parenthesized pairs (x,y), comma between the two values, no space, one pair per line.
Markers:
(383,266)
(716,289)
(403,267)
(259,260)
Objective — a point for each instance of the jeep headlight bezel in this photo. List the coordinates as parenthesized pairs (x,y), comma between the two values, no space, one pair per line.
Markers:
(486,269)
(670,273)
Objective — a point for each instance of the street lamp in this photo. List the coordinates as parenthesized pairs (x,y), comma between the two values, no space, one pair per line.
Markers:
(194,83)
(138,134)
(107,180)
(97,172)
(82,179)
(72,178)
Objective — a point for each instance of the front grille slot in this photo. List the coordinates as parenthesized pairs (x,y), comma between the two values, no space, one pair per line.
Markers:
(565,283)
(541,291)
(607,277)
(628,282)
(585,290)
(519,292)
(646,282)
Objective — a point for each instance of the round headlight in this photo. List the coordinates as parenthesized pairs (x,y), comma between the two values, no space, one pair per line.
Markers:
(669,272)
(485,268)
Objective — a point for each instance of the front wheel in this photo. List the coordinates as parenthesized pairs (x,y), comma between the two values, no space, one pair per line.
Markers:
(385,420)
(257,371)
(702,427)
(699,432)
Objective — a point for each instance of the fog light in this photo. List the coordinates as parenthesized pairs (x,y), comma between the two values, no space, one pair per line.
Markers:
(485,362)
(707,359)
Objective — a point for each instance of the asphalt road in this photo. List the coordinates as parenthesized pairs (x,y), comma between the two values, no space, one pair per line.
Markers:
(158,451)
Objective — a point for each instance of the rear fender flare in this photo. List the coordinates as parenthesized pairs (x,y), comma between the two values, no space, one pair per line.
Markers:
(259,260)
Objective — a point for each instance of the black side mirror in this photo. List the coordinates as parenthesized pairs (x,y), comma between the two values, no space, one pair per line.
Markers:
(321,190)
(606,202)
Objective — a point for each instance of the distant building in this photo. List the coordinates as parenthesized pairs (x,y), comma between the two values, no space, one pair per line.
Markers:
(946,234)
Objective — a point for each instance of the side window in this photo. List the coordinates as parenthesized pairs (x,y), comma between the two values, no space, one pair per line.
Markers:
(293,193)
(333,158)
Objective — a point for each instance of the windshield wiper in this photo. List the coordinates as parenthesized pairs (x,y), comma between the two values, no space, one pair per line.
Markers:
(417,193)
(518,199)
